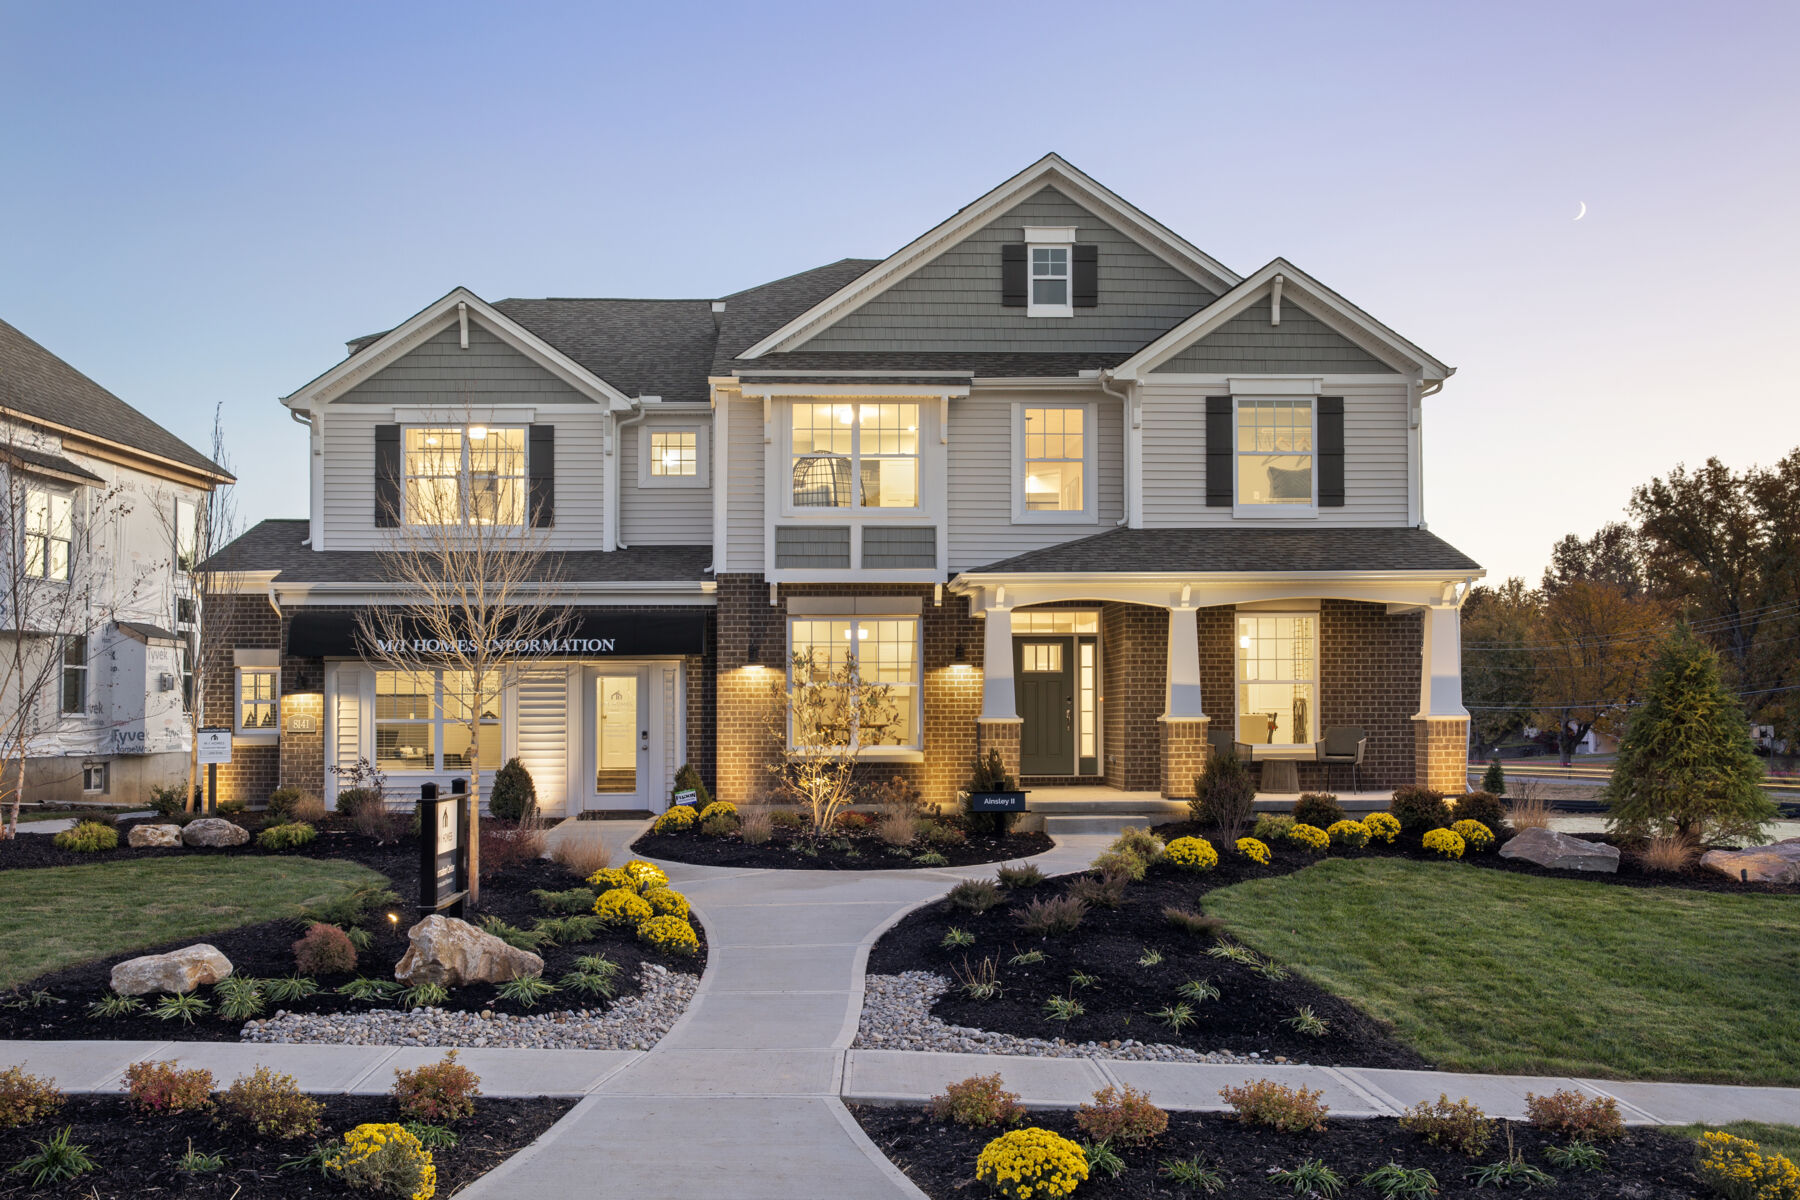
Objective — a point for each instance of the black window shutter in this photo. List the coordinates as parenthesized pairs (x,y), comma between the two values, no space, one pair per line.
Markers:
(1218,451)
(387,476)
(1086,270)
(542,463)
(1012,274)
(1331,452)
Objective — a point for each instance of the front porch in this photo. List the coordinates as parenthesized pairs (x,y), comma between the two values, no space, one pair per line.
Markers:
(1096,808)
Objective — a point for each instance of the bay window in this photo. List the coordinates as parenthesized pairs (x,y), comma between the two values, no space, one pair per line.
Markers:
(861,455)
(1277,678)
(465,475)
(422,721)
(1275,455)
(843,652)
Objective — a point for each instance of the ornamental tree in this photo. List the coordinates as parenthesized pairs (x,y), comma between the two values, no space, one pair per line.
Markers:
(1686,766)
(824,716)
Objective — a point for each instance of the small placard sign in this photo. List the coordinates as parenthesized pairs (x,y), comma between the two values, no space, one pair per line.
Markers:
(686,796)
(303,723)
(214,744)
(996,802)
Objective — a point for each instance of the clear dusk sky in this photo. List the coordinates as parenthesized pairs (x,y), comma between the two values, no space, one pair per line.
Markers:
(200,203)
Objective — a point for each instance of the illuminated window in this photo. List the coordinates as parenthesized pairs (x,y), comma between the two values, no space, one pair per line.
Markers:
(674,454)
(1277,678)
(855,455)
(49,532)
(1041,658)
(878,650)
(1055,459)
(1055,620)
(258,703)
(465,476)
(1275,453)
(422,722)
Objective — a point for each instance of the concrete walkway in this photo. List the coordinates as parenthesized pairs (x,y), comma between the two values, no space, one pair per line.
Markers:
(744,1096)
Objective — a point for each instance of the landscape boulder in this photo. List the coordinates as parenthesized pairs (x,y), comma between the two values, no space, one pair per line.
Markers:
(452,952)
(214,831)
(1561,852)
(1779,863)
(141,836)
(177,971)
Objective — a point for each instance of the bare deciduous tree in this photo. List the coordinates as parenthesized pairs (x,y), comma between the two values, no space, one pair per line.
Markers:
(477,589)
(830,713)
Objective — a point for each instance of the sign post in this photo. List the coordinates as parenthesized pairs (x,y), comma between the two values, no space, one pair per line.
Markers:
(443,851)
(214,746)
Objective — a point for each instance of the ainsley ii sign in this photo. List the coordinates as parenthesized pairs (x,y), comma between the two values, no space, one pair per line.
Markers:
(591,632)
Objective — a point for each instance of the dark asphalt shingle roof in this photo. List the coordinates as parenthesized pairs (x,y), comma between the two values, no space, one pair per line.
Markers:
(55,464)
(1223,549)
(36,383)
(642,347)
(275,545)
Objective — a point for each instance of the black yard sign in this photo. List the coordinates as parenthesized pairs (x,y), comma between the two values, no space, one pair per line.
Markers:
(443,849)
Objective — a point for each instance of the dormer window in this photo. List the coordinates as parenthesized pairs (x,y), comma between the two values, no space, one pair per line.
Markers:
(1050,258)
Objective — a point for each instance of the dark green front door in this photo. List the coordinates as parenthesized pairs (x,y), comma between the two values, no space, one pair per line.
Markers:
(1044,680)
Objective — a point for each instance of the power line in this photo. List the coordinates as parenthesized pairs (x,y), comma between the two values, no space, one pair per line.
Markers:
(1607,703)
(1653,632)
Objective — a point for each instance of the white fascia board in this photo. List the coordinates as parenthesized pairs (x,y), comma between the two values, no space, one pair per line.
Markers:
(1206,589)
(430,321)
(1051,171)
(1332,309)
(699,592)
(873,390)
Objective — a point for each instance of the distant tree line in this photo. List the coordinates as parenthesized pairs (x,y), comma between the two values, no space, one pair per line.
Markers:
(1712,548)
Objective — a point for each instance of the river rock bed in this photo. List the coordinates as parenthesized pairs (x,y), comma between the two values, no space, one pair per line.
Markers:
(896,1015)
(634,1023)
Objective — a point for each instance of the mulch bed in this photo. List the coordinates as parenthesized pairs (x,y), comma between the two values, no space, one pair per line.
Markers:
(265,949)
(789,850)
(136,1156)
(1109,944)
(1631,873)
(940,1157)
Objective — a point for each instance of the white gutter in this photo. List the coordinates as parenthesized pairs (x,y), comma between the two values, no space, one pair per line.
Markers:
(1133,450)
(615,453)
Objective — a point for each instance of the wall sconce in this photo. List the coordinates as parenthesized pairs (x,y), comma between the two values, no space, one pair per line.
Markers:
(753,655)
(962,654)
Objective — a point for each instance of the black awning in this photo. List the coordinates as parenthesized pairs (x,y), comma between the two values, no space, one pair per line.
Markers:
(594,632)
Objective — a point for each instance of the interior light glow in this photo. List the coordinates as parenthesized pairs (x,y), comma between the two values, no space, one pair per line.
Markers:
(1244,642)
(477,433)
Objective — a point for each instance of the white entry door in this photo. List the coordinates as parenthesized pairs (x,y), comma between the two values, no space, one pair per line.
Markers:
(618,738)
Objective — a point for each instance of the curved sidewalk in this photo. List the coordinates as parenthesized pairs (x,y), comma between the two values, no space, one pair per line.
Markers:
(744,1096)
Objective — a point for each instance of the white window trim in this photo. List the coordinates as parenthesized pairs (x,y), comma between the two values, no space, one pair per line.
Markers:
(850,512)
(913,752)
(237,705)
(1043,242)
(1089,513)
(1260,512)
(702,462)
(50,492)
(464,476)
(1238,682)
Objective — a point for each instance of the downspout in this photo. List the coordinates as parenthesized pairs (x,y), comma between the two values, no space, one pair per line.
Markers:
(275,603)
(1124,399)
(618,456)
(315,521)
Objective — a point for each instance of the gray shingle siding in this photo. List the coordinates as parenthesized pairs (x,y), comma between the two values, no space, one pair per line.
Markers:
(952,303)
(1248,342)
(899,546)
(809,547)
(439,371)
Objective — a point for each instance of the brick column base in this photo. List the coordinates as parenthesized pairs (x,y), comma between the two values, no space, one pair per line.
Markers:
(1183,755)
(1003,736)
(1441,754)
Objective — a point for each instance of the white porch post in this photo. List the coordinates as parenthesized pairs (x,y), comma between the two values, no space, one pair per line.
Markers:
(998,699)
(1181,696)
(1440,676)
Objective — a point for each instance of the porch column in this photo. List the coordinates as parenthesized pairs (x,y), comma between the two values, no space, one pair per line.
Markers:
(1000,725)
(1441,726)
(1183,723)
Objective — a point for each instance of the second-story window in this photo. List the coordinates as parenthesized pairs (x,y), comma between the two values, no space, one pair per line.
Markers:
(863,455)
(465,476)
(74,675)
(1055,459)
(49,532)
(1274,455)
(187,534)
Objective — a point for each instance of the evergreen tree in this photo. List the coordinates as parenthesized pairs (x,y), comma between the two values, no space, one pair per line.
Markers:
(1493,781)
(1686,765)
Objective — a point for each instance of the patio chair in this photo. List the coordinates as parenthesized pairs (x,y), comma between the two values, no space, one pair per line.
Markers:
(1342,746)
(1223,740)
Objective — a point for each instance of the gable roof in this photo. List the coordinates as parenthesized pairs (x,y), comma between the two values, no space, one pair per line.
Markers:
(1328,306)
(642,347)
(384,349)
(40,387)
(1052,171)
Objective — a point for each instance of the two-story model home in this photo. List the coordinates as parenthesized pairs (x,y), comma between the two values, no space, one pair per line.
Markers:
(101,510)
(1073,488)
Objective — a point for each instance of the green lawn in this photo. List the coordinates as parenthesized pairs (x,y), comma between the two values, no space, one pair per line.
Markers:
(55,917)
(1484,970)
(1773,1139)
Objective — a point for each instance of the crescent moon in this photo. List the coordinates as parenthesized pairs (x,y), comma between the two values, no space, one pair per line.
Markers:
(1583,211)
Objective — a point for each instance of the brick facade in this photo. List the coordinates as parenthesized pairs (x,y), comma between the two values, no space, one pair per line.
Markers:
(1442,747)
(1134,668)
(1184,753)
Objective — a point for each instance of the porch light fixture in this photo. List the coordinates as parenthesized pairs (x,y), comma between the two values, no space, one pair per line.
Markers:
(962,654)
